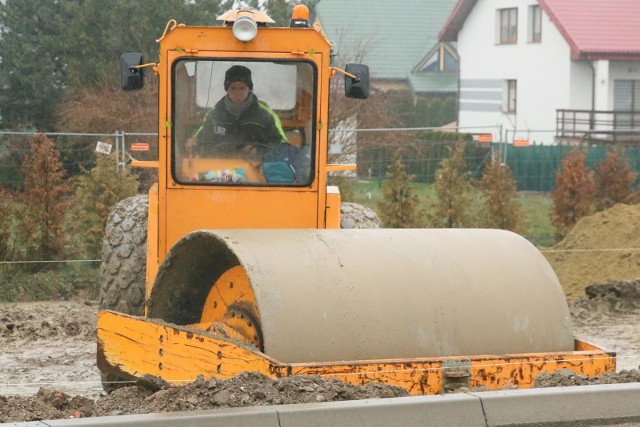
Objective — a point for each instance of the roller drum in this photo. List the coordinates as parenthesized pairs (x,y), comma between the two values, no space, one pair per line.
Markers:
(333,295)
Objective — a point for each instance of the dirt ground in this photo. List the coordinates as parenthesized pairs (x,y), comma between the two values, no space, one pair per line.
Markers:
(601,248)
(47,349)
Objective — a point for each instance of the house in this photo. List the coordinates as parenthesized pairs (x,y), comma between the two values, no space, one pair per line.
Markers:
(398,40)
(540,71)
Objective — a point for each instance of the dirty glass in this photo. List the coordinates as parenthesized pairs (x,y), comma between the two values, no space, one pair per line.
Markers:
(243,122)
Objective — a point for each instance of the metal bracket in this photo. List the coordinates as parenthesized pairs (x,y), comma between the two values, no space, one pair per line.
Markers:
(455,374)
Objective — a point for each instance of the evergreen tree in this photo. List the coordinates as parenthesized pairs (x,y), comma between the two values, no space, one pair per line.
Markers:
(58,46)
(574,193)
(33,65)
(45,200)
(499,189)
(614,180)
(399,206)
(453,189)
(279,11)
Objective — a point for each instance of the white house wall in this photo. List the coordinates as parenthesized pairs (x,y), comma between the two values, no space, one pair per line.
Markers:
(581,85)
(603,90)
(543,72)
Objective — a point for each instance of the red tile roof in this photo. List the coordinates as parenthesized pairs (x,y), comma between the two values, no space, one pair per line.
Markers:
(594,29)
(597,29)
(449,32)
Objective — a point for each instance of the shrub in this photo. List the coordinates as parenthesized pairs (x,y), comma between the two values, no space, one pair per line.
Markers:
(96,192)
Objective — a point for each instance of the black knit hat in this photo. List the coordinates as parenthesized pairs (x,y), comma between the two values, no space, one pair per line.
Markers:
(238,73)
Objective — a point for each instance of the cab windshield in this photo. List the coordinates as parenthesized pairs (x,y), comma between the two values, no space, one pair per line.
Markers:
(243,122)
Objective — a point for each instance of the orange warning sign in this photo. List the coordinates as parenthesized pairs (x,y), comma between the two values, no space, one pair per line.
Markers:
(520,142)
(485,137)
(139,146)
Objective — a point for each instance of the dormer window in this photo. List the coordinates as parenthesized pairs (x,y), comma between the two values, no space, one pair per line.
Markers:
(442,59)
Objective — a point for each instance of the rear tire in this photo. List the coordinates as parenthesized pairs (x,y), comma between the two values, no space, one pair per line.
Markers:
(124,264)
(124,257)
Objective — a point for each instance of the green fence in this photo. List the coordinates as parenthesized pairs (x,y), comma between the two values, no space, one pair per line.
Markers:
(535,167)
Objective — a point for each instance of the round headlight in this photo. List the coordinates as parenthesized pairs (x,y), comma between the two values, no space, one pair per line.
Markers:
(245,29)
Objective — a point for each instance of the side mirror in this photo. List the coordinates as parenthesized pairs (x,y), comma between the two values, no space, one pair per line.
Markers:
(358,87)
(131,78)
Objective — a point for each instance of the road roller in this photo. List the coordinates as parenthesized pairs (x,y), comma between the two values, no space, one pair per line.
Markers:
(235,260)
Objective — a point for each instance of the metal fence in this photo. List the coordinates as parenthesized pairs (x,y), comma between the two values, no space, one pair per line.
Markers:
(77,151)
(533,165)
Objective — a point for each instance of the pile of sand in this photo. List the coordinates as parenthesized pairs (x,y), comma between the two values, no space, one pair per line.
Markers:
(601,248)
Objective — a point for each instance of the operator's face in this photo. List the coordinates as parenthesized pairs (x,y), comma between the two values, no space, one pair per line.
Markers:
(238,91)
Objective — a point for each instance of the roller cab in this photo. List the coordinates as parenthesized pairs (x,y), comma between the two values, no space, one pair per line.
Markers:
(235,260)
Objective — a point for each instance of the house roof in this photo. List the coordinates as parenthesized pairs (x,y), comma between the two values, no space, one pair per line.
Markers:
(391,37)
(597,30)
(594,29)
(434,83)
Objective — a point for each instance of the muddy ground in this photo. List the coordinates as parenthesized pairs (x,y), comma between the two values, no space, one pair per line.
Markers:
(47,349)
(48,370)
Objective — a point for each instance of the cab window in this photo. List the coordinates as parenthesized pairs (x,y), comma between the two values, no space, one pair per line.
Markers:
(243,122)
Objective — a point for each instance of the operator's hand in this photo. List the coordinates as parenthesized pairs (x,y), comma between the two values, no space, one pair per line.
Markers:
(191,144)
(250,150)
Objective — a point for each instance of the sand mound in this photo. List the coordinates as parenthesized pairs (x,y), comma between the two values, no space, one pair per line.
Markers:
(601,248)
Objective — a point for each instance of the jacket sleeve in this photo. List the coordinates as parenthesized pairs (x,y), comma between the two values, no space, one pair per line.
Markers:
(205,131)
(274,133)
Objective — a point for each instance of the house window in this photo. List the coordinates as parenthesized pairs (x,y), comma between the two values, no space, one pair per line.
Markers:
(508,19)
(510,96)
(626,104)
(535,24)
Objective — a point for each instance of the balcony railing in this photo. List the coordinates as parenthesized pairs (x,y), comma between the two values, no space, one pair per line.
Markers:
(615,127)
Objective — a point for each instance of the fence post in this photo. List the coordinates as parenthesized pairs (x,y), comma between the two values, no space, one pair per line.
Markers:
(117,148)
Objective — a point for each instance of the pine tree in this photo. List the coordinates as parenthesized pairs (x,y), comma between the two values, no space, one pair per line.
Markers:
(399,206)
(614,180)
(574,193)
(45,199)
(499,190)
(453,189)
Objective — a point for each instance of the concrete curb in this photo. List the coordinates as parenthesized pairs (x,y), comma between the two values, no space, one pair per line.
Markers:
(561,404)
(599,403)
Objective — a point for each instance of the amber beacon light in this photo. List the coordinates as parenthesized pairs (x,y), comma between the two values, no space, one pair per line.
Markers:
(300,17)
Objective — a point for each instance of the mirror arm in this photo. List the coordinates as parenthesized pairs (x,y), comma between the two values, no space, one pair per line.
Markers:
(147,65)
(340,70)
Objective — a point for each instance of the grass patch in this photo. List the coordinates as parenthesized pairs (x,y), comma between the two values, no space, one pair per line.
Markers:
(535,207)
(58,282)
